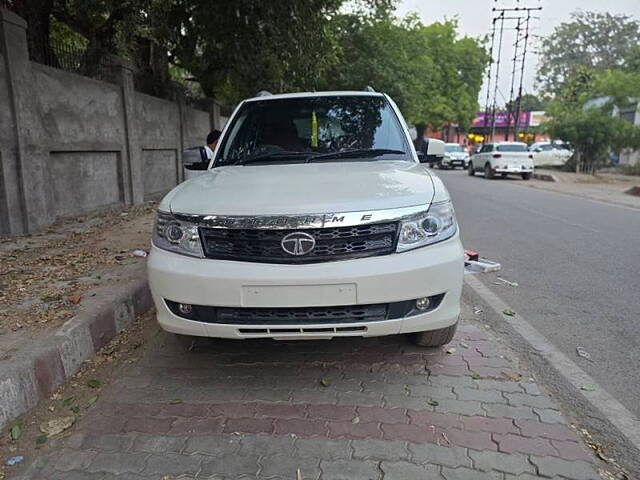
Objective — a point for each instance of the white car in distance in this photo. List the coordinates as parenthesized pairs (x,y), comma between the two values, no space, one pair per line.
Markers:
(502,158)
(454,156)
(548,153)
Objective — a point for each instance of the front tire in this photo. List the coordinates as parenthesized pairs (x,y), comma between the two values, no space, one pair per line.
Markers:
(470,171)
(488,171)
(526,176)
(434,338)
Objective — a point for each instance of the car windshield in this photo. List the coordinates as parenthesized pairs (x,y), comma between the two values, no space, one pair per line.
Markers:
(511,147)
(453,148)
(330,128)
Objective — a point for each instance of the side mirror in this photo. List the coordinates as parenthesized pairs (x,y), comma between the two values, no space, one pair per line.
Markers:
(537,149)
(195,158)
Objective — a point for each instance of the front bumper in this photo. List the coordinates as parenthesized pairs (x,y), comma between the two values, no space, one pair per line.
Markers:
(427,271)
(513,169)
(454,162)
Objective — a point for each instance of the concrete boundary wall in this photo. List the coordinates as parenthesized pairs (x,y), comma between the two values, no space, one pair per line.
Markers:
(71,144)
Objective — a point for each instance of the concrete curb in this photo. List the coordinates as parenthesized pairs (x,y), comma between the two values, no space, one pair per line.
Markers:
(546,177)
(50,360)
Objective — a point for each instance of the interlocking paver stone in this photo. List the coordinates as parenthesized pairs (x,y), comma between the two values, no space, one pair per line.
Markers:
(503,386)
(108,443)
(350,469)
(287,466)
(258,410)
(575,470)
(173,464)
(74,460)
(216,446)
(380,450)
(408,471)
(461,407)
(118,463)
(262,445)
(549,416)
(230,465)
(488,396)
(158,444)
(323,448)
(514,463)
(538,401)
(469,474)
(501,410)
(450,456)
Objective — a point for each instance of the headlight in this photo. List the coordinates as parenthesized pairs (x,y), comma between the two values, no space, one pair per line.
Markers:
(177,236)
(435,225)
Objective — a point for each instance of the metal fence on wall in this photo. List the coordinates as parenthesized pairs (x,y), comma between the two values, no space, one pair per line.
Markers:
(73,55)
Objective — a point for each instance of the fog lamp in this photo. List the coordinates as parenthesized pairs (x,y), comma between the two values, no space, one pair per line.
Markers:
(185,308)
(423,303)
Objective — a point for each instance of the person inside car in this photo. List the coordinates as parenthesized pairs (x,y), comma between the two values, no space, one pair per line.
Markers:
(212,141)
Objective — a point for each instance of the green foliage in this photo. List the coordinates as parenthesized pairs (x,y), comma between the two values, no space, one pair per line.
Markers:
(594,132)
(528,103)
(233,49)
(434,76)
(598,41)
(237,48)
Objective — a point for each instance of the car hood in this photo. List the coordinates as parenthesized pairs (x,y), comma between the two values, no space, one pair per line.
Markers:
(304,188)
(456,155)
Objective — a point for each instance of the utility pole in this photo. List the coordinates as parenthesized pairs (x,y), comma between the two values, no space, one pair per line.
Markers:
(524,56)
(513,82)
(495,92)
(486,103)
(521,15)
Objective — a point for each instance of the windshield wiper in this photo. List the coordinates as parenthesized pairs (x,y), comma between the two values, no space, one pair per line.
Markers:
(269,156)
(360,153)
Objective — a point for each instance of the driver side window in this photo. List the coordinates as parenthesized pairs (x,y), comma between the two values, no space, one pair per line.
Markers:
(486,148)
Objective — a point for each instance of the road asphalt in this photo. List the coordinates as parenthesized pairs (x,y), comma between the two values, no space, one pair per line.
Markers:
(575,261)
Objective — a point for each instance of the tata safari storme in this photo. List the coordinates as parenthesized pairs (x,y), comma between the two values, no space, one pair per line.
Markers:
(315,219)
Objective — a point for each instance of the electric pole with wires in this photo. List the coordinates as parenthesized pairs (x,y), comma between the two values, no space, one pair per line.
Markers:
(522,17)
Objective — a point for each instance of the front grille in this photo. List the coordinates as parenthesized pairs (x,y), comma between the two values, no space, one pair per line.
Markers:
(309,316)
(300,315)
(337,243)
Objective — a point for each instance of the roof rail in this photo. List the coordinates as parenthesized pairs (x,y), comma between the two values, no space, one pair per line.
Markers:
(369,88)
(263,93)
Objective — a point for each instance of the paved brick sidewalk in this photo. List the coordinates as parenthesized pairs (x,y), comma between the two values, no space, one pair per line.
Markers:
(344,409)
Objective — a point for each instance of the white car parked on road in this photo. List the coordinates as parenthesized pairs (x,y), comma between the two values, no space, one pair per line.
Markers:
(315,220)
(502,158)
(547,153)
(454,156)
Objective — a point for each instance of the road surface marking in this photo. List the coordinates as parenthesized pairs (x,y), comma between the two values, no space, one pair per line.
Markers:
(610,408)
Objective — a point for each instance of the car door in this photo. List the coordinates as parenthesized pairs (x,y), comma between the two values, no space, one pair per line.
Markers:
(543,154)
(482,156)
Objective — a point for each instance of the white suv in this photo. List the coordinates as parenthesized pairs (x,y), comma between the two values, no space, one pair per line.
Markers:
(454,156)
(315,220)
(503,158)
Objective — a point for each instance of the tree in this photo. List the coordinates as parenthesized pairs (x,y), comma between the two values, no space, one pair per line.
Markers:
(433,75)
(237,48)
(99,22)
(528,103)
(599,41)
(594,132)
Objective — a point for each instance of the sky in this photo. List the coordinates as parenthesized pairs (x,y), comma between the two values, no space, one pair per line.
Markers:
(475,16)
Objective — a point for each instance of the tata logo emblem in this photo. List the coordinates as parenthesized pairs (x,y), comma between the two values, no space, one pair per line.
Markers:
(298,243)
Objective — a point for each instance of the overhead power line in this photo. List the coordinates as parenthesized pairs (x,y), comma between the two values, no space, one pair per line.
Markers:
(522,17)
